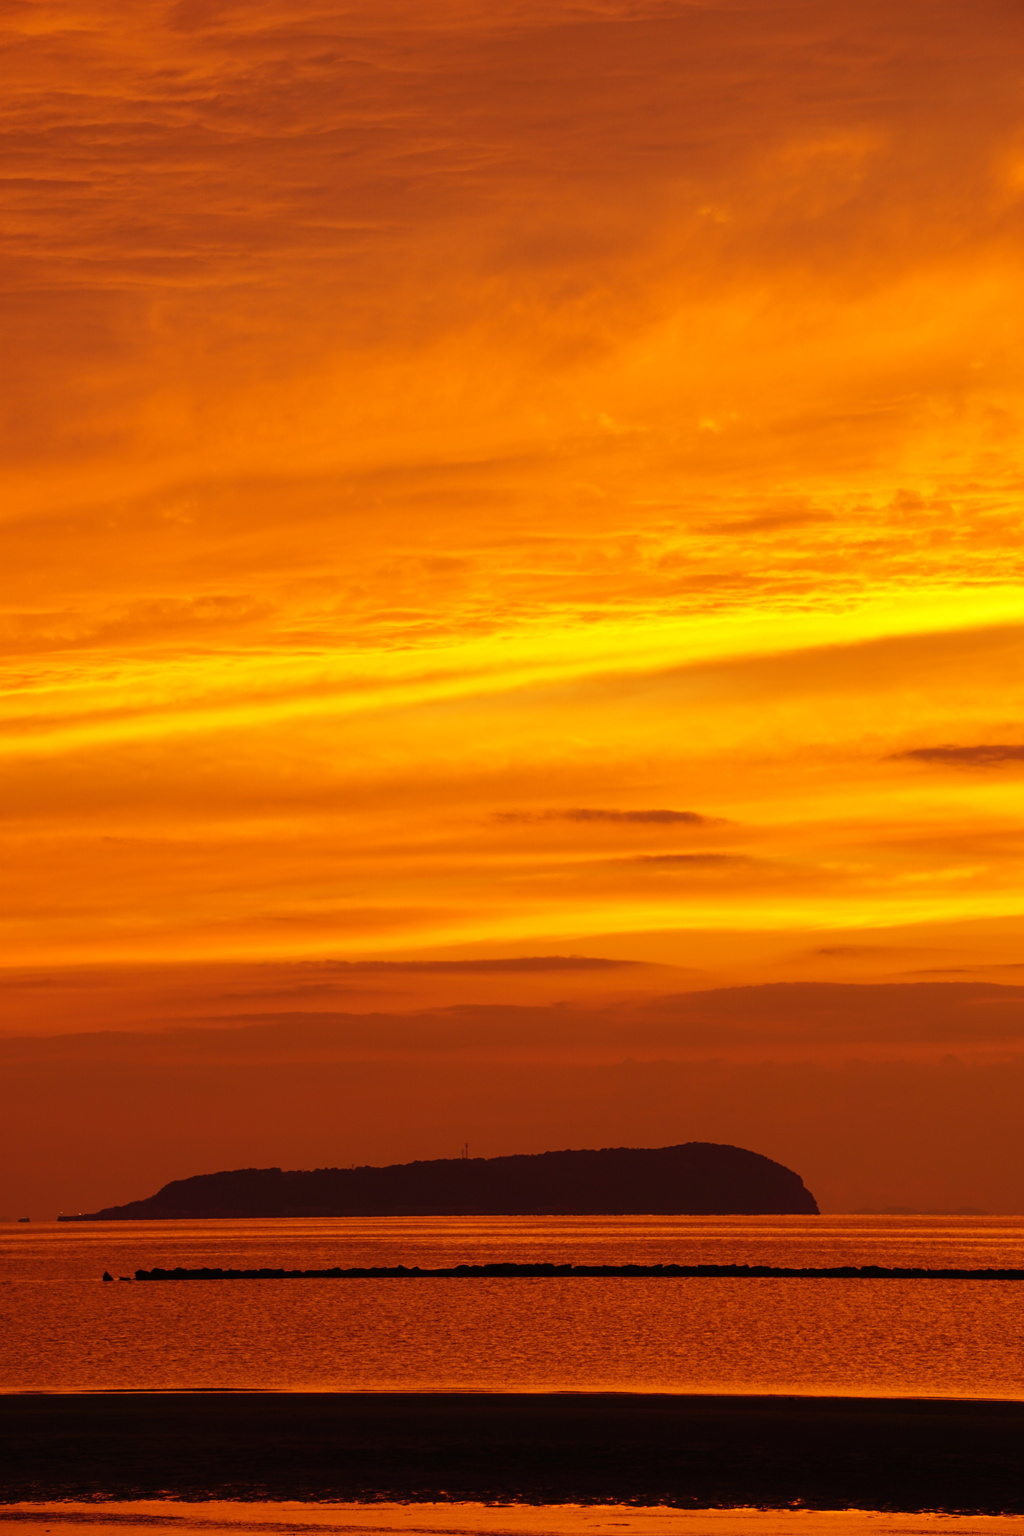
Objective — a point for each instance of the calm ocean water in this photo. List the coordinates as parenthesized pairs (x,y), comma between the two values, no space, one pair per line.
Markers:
(62,1330)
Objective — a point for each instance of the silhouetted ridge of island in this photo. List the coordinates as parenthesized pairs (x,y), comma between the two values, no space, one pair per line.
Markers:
(698,1178)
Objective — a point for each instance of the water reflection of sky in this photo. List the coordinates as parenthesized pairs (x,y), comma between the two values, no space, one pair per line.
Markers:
(65,1251)
(65,1331)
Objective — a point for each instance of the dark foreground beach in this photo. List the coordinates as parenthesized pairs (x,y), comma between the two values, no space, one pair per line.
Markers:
(692,1452)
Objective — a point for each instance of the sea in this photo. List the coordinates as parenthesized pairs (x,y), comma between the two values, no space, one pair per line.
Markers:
(63,1331)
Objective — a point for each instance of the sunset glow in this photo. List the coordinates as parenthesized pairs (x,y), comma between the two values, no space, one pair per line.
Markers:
(508,480)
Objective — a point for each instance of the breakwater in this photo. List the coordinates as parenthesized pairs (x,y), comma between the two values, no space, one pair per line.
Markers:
(586,1272)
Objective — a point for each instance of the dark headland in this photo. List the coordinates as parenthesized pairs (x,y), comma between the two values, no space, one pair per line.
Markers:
(698,1178)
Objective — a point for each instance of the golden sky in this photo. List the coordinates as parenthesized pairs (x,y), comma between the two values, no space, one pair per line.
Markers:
(508,479)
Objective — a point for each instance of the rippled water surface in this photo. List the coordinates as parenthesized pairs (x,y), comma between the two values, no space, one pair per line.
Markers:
(62,1330)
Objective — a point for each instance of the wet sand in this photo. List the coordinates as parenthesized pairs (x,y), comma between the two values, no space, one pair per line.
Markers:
(213,1517)
(585,1448)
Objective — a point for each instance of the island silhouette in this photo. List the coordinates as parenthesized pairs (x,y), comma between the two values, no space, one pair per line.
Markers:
(696,1178)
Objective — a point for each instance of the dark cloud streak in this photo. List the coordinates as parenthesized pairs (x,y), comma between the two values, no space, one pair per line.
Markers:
(511,963)
(983,755)
(657,818)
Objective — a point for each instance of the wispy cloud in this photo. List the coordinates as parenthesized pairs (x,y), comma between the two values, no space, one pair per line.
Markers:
(499,966)
(982,755)
(712,860)
(655,818)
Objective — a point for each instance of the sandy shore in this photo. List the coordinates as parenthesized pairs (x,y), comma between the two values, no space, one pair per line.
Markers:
(218,1517)
(771,1452)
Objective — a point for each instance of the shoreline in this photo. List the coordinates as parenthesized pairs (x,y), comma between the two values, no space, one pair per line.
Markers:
(231,1518)
(682,1451)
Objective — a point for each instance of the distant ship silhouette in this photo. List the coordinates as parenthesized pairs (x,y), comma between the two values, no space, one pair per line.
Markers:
(698,1178)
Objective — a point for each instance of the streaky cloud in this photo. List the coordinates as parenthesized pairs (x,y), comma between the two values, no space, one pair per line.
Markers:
(471,967)
(692,858)
(991,754)
(658,818)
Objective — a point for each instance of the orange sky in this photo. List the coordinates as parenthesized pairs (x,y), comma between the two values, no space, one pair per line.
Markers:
(509,479)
